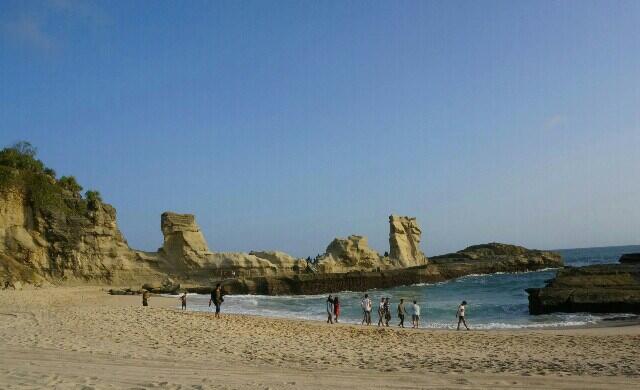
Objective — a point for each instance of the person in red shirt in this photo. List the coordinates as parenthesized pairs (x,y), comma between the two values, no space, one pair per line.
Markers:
(336,308)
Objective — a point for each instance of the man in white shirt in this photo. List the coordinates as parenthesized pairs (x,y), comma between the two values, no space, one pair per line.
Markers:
(330,310)
(415,315)
(460,315)
(366,308)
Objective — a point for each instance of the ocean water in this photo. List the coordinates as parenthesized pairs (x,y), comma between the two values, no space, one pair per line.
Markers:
(496,301)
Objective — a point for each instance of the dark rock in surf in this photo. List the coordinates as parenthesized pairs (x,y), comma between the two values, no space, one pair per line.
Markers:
(630,258)
(603,288)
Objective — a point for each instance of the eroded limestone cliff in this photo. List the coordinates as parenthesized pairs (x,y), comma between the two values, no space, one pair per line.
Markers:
(350,254)
(50,233)
(75,242)
(404,241)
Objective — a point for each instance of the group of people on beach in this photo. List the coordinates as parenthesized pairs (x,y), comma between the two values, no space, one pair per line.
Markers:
(333,309)
(384,311)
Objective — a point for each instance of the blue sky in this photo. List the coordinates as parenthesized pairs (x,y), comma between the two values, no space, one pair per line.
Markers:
(282,125)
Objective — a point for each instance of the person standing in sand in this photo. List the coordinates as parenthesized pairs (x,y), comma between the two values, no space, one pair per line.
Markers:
(387,311)
(415,316)
(145,298)
(330,309)
(460,315)
(401,312)
(366,309)
(183,300)
(217,299)
(381,311)
(336,308)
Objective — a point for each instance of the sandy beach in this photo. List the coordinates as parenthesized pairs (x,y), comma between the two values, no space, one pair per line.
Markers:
(82,338)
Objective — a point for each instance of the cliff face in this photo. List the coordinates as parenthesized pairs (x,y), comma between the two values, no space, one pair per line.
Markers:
(81,242)
(78,243)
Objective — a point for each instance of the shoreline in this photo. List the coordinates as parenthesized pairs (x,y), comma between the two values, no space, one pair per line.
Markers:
(86,338)
(634,319)
(635,322)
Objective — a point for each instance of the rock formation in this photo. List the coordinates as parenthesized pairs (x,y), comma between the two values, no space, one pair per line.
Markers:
(283,262)
(50,233)
(630,258)
(186,252)
(404,241)
(603,288)
(75,241)
(478,262)
(183,241)
(498,252)
(350,254)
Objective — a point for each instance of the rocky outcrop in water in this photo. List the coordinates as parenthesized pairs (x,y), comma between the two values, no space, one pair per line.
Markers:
(498,252)
(433,272)
(630,258)
(603,288)
(404,242)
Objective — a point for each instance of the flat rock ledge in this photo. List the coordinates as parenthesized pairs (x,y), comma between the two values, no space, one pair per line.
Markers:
(481,259)
(604,288)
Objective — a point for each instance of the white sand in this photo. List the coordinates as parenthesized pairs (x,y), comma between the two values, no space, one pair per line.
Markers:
(82,338)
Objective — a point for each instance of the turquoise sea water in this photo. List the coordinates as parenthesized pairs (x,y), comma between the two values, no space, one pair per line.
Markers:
(497,301)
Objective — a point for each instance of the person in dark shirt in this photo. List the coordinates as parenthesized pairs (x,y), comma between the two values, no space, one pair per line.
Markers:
(217,299)
(183,300)
(387,311)
(401,313)
(145,298)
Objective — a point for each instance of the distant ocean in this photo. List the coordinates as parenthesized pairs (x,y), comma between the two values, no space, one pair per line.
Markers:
(497,301)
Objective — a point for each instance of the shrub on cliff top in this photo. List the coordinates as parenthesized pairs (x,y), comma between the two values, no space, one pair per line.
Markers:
(70,183)
(20,167)
(21,156)
(93,198)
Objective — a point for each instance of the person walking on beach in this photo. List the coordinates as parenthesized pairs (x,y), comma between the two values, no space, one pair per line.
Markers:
(381,311)
(415,316)
(336,308)
(183,300)
(330,309)
(217,299)
(366,309)
(387,311)
(145,298)
(460,315)
(401,313)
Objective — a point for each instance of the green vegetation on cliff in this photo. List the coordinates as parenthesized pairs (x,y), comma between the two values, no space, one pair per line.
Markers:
(19,167)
